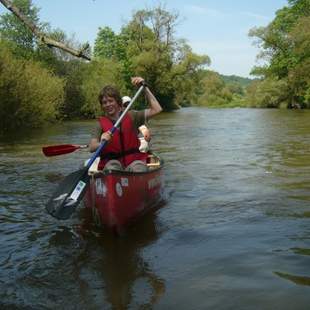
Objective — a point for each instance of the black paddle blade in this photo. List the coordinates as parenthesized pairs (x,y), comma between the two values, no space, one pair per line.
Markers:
(68,195)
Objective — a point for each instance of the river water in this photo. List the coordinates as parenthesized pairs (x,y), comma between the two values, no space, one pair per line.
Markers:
(233,232)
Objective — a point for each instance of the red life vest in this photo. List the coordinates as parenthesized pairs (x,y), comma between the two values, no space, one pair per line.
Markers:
(124,145)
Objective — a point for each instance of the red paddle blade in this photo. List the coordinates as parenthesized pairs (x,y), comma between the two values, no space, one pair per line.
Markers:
(55,150)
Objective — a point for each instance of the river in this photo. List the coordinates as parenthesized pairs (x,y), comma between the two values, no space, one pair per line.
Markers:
(233,233)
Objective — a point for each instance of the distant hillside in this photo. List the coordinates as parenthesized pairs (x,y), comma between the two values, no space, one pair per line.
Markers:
(237,79)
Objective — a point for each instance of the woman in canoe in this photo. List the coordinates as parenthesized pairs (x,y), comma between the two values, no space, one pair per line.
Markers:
(122,151)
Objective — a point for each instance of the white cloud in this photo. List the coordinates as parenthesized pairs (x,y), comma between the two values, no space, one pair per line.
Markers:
(255,15)
(204,11)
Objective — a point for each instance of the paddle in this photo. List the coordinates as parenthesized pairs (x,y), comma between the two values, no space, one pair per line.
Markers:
(72,189)
(55,150)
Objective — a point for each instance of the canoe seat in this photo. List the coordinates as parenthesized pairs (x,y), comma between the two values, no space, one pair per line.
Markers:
(153,165)
(153,161)
(94,166)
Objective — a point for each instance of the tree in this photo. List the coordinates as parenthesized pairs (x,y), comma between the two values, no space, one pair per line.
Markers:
(109,45)
(30,95)
(298,76)
(235,88)
(267,93)
(214,91)
(285,45)
(146,46)
(186,74)
(25,18)
(16,32)
(98,73)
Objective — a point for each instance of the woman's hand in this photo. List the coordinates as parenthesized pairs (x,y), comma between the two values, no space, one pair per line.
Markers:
(137,80)
(146,133)
(107,136)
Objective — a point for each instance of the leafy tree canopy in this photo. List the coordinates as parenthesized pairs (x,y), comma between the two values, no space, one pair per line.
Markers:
(285,46)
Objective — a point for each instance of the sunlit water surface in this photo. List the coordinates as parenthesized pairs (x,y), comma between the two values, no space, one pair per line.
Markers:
(233,233)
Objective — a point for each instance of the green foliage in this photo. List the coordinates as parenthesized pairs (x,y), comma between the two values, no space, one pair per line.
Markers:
(307,97)
(186,75)
(15,32)
(285,44)
(97,74)
(235,88)
(149,51)
(267,93)
(67,67)
(45,84)
(30,95)
(52,57)
(74,74)
(237,80)
(214,91)
(146,47)
(109,45)
(299,76)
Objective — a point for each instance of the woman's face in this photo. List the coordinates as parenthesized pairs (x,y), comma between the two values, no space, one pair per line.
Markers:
(110,106)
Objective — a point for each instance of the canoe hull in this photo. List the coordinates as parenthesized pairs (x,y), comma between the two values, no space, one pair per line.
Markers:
(118,198)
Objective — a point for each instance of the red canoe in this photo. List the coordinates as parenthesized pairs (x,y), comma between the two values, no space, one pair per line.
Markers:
(117,198)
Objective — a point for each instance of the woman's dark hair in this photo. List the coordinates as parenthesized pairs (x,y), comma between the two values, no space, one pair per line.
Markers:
(110,91)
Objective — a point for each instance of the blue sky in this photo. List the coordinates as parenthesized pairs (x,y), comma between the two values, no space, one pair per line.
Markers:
(216,28)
